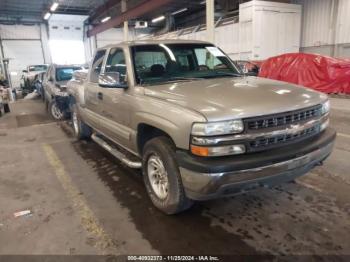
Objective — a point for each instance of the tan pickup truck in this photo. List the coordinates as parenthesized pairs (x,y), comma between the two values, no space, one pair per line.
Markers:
(199,129)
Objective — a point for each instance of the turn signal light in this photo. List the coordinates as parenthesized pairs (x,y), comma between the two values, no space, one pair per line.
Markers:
(218,150)
(199,150)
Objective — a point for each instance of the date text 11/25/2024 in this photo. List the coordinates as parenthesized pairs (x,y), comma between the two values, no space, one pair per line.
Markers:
(173,258)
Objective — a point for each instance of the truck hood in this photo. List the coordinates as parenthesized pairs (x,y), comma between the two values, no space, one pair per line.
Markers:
(33,74)
(231,98)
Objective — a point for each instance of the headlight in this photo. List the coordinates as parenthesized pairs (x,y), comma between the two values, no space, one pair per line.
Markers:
(61,93)
(325,107)
(218,128)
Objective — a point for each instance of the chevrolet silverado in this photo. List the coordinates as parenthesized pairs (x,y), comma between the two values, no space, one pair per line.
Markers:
(184,113)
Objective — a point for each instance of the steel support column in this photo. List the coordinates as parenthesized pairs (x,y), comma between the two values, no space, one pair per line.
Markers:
(210,5)
(2,56)
(126,23)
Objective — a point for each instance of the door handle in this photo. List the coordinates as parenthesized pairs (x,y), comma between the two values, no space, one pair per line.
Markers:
(100,95)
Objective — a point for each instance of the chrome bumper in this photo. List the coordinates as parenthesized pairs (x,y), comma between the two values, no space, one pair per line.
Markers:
(203,186)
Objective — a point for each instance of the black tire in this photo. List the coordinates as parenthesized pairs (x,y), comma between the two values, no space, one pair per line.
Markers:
(47,104)
(81,130)
(7,108)
(55,112)
(43,95)
(176,200)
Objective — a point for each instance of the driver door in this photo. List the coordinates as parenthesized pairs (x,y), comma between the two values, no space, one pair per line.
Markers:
(92,92)
(115,108)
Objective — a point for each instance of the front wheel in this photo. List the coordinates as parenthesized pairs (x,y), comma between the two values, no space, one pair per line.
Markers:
(55,111)
(162,176)
(81,130)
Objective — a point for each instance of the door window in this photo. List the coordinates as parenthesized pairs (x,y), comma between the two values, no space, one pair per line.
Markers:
(116,64)
(97,66)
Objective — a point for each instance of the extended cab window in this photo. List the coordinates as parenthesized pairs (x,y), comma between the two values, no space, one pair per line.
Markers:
(97,66)
(116,64)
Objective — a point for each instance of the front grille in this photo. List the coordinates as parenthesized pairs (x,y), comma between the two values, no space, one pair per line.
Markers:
(283,118)
(270,142)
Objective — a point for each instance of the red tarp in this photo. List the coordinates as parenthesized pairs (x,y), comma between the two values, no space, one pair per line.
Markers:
(322,73)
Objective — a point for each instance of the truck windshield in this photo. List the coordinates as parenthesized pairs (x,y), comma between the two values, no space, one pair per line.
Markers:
(162,63)
(65,73)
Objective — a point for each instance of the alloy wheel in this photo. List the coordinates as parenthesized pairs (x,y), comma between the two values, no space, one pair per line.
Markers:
(56,112)
(158,176)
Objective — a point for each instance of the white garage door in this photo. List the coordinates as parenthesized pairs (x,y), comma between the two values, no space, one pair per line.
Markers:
(22,53)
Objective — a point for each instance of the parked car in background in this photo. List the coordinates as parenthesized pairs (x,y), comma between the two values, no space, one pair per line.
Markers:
(321,73)
(4,100)
(39,84)
(55,89)
(183,112)
(29,75)
(4,96)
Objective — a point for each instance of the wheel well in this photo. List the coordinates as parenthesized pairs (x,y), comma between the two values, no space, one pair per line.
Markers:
(147,132)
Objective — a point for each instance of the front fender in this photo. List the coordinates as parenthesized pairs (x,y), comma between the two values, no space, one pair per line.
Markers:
(178,128)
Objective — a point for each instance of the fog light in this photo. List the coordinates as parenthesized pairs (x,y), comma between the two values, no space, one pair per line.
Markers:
(324,125)
(218,151)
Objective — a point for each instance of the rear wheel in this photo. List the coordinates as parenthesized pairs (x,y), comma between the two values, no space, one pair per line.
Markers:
(162,176)
(81,130)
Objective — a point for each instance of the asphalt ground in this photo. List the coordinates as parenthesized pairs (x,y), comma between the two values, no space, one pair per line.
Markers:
(85,202)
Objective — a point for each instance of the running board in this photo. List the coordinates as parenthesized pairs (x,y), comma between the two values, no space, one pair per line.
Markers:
(115,152)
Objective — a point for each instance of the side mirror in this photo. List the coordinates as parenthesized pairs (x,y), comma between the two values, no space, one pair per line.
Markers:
(25,71)
(111,80)
(50,79)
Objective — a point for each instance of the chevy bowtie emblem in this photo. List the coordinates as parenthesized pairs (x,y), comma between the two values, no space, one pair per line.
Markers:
(294,128)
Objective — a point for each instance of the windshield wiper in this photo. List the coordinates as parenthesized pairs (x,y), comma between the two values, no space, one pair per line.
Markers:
(223,74)
(179,79)
(171,80)
(228,74)
(174,78)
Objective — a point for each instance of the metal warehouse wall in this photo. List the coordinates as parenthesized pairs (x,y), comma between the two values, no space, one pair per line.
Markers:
(111,36)
(24,45)
(326,27)
(264,29)
(343,22)
(226,36)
